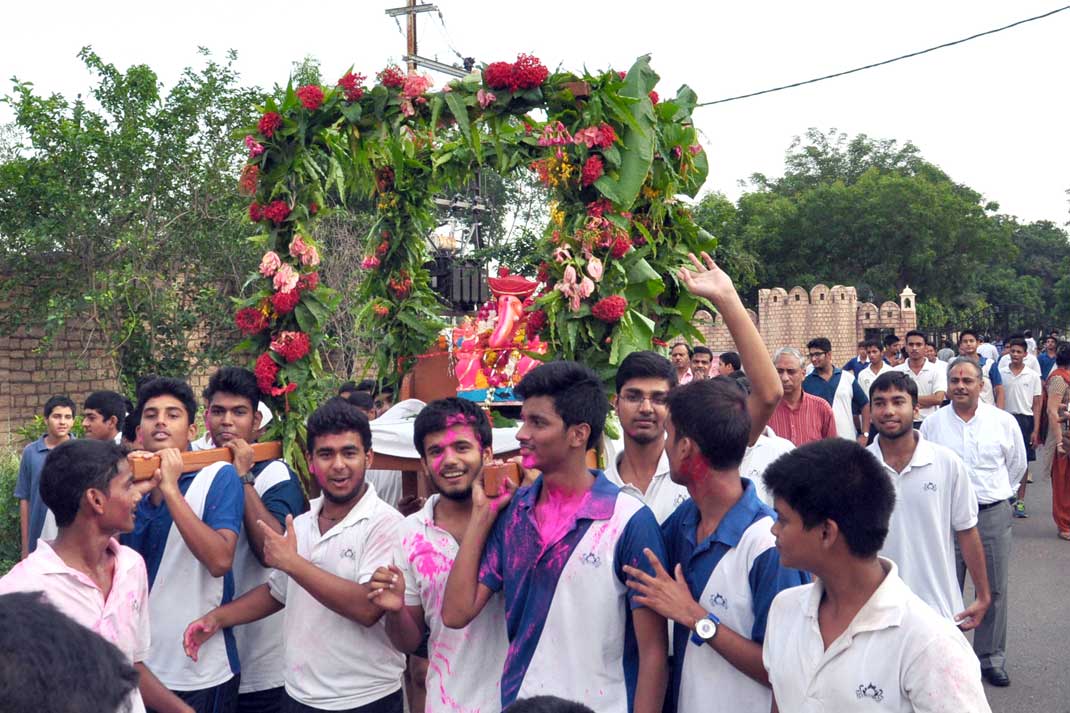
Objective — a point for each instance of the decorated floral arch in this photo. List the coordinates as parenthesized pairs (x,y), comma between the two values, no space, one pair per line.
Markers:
(613,155)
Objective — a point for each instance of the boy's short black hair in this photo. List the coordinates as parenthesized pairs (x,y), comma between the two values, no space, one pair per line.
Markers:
(645,365)
(871,344)
(916,333)
(58,402)
(731,359)
(820,343)
(546,704)
(836,479)
(441,414)
(107,404)
(336,416)
(890,340)
(702,349)
(894,381)
(74,467)
(361,399)
(168,386)
(1062,354)
(971,332)
(576,391)
(713,414)
(1017,342)
(366,385)
(236,381)
(53,663)
(348,386)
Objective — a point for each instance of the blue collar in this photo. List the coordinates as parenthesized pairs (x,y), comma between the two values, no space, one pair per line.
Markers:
(599,506)
(734,523)
(814,374)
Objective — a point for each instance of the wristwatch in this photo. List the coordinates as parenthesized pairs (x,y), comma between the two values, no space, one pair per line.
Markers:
(705,630)
(248,479)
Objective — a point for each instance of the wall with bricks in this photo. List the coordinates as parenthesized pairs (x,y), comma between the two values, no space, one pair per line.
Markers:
(794,317)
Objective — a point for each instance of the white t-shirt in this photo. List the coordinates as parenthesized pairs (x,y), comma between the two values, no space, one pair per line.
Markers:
(760,456)
(988,351)
(897,654)
(930,380)
(333,663)
(662,495)
(461,662)
(1019,390)
(1030,362)
(933,501)
(866,377)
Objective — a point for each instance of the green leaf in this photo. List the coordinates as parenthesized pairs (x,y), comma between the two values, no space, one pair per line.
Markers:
(641,271)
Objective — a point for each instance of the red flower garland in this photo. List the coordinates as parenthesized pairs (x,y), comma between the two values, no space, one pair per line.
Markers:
(276,211)
(526,73)
(285,302)
(621,245)
(256,213)
(266,371)
(610,309)
(391,77)
(593,169)
(269,124)
(311,96)
(250,320)
(291,345)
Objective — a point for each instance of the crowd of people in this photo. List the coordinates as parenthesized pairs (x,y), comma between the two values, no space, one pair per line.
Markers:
(763,536)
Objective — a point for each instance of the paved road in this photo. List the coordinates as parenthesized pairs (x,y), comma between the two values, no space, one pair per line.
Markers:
(1038,637)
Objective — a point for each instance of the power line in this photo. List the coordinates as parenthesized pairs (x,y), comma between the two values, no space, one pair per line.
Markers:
(887,61)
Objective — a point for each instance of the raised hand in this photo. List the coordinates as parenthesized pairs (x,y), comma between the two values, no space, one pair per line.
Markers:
(280,551)
(242,454)
(197,633)
(707,280)
(388,588)
(486,507)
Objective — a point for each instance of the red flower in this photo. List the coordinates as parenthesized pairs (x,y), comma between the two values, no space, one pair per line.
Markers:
(381,310)
(498,75)
(291,345)
(593,169)
(308,282)
(352,86)
(536,321)
(276,211)
(285,302)
(250,320)
(269,124)
(313,208)
(401,285)
(391,77)
(598,208)
(266,371)
(383,248)
(256,213)
(543,274)
(659,342)
(609,135)
(526,73)
(621,245)
(247,182)
(503,272)
(610,309)
(311,96)
(384,178)
(653,97)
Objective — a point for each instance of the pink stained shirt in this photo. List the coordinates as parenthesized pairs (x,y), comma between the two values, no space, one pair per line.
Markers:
(123,619)
(811,421)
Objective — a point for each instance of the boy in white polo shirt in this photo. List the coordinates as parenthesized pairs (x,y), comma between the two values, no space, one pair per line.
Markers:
(187,529)
(931,379)
(934,502)
(857,636)
(557,553)
(1024,398)
(84,572)
(336,653)
(453,437)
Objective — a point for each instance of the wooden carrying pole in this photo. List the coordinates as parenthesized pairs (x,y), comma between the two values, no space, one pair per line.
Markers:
(195,460)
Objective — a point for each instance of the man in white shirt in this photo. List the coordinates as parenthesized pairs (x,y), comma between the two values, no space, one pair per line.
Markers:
(935,506)
(1030,361)
(931,379)
(987,349)
(857,636)
(337,656)
(989,443)
(1024,399)
(873,369)
(453,437)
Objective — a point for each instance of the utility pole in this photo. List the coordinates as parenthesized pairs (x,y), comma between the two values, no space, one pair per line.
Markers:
(410,36)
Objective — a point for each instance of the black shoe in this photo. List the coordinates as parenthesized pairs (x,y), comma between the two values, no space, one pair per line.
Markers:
(996,676)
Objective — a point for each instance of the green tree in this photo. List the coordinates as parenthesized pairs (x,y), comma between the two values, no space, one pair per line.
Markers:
(121,212)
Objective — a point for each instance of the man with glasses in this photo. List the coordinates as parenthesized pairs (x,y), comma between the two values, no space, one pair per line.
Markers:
(840,389)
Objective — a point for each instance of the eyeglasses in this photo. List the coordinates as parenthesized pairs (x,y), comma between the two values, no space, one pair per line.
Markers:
(815,355)
(636,398)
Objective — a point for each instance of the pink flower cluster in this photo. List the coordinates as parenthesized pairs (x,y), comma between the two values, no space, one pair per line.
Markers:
(574,289)
(601,136)
(255,149)
(284,277)
(305,252)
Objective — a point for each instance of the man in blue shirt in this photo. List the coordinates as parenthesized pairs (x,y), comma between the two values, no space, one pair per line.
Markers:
(187,530)
(59,418)
(860,360)
(1047,356)
(557,553)
(721,550)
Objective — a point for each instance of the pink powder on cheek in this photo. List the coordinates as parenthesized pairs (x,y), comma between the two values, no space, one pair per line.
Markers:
(695,469)
(528,461)
(322,480)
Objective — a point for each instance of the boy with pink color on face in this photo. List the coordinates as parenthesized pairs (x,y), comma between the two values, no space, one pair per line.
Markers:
(336,653)
(453,437)
(84,572)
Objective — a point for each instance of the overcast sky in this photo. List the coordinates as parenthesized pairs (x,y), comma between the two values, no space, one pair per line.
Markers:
(992,112)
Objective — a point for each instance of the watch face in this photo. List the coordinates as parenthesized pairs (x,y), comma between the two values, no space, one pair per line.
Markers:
(705,628)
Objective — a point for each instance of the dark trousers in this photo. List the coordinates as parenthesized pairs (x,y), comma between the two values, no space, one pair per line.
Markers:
(217,699)
(269,701)
(393,703)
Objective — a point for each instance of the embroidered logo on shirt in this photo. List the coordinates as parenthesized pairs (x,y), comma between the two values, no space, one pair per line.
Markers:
(870,691)
(718,600)
(930,486)
(349,554)
(591,559)
(680,498)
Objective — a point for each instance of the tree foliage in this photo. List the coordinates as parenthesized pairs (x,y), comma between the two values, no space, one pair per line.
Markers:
(119,211)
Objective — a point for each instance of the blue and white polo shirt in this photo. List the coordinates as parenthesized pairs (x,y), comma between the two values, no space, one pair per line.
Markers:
(181,589)
(567,607)
(735,573)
